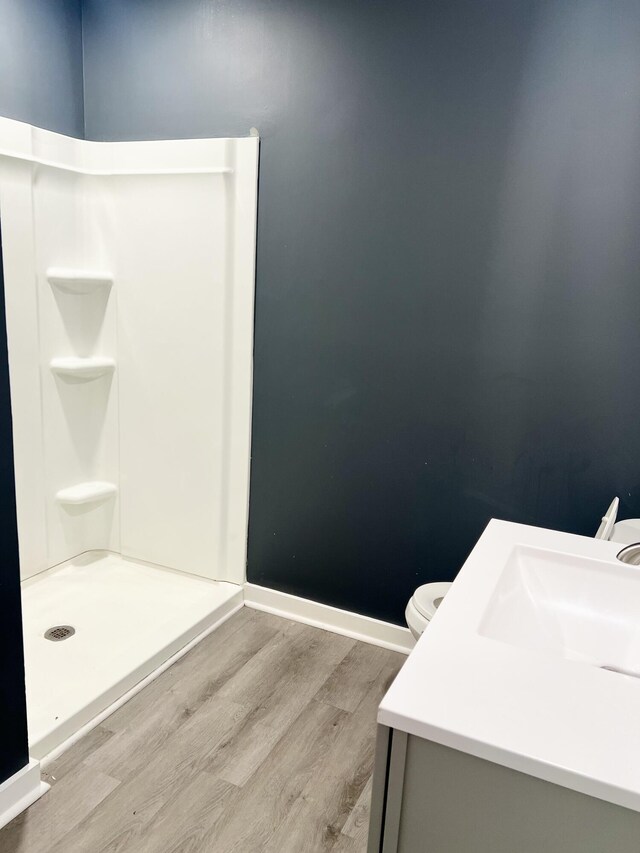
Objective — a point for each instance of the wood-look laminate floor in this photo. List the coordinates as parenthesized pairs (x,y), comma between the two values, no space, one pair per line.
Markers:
(261,738)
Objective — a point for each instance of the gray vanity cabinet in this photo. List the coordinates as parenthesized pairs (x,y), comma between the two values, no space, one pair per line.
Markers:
(428,798)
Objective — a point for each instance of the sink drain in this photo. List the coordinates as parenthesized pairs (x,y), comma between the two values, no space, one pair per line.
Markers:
(59,632)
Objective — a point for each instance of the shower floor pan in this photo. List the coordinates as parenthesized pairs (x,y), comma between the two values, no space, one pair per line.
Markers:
(128,618)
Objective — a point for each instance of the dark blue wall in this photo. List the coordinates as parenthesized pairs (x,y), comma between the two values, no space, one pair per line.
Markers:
(13,712)
(448,280)
(41,63)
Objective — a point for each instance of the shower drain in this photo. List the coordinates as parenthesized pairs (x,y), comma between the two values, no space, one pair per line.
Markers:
(59,632)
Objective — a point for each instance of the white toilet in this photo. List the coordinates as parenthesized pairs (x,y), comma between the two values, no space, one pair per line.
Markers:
(423,605)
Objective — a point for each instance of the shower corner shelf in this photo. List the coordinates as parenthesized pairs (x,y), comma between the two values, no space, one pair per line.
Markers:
(82,368)
(79,281)
(86,493)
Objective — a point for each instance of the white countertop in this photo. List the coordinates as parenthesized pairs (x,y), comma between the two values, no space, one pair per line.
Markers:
(564,721)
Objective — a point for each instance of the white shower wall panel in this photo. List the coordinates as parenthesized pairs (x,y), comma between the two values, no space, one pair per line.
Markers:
(21,303)
(170,241)
(80,418)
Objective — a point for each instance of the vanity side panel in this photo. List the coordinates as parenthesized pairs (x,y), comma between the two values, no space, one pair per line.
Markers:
(394,791)
(379,789)
(386,793)
(454,801)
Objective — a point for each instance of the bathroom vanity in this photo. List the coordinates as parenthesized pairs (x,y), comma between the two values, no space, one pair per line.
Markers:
(515,723)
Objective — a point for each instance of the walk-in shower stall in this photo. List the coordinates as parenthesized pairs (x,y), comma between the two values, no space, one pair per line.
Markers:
(129,279)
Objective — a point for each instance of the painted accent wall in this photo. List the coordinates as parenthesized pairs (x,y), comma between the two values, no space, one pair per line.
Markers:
(41,63)
(448,270)
(13,709)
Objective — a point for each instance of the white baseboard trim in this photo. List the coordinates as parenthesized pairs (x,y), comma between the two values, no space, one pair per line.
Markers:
(20,791)
(229,610)
(363,628)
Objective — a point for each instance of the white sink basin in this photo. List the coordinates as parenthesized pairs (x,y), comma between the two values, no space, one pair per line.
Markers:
(572,607)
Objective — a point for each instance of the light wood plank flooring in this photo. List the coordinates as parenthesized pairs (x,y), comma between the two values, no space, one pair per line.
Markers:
(261,738)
